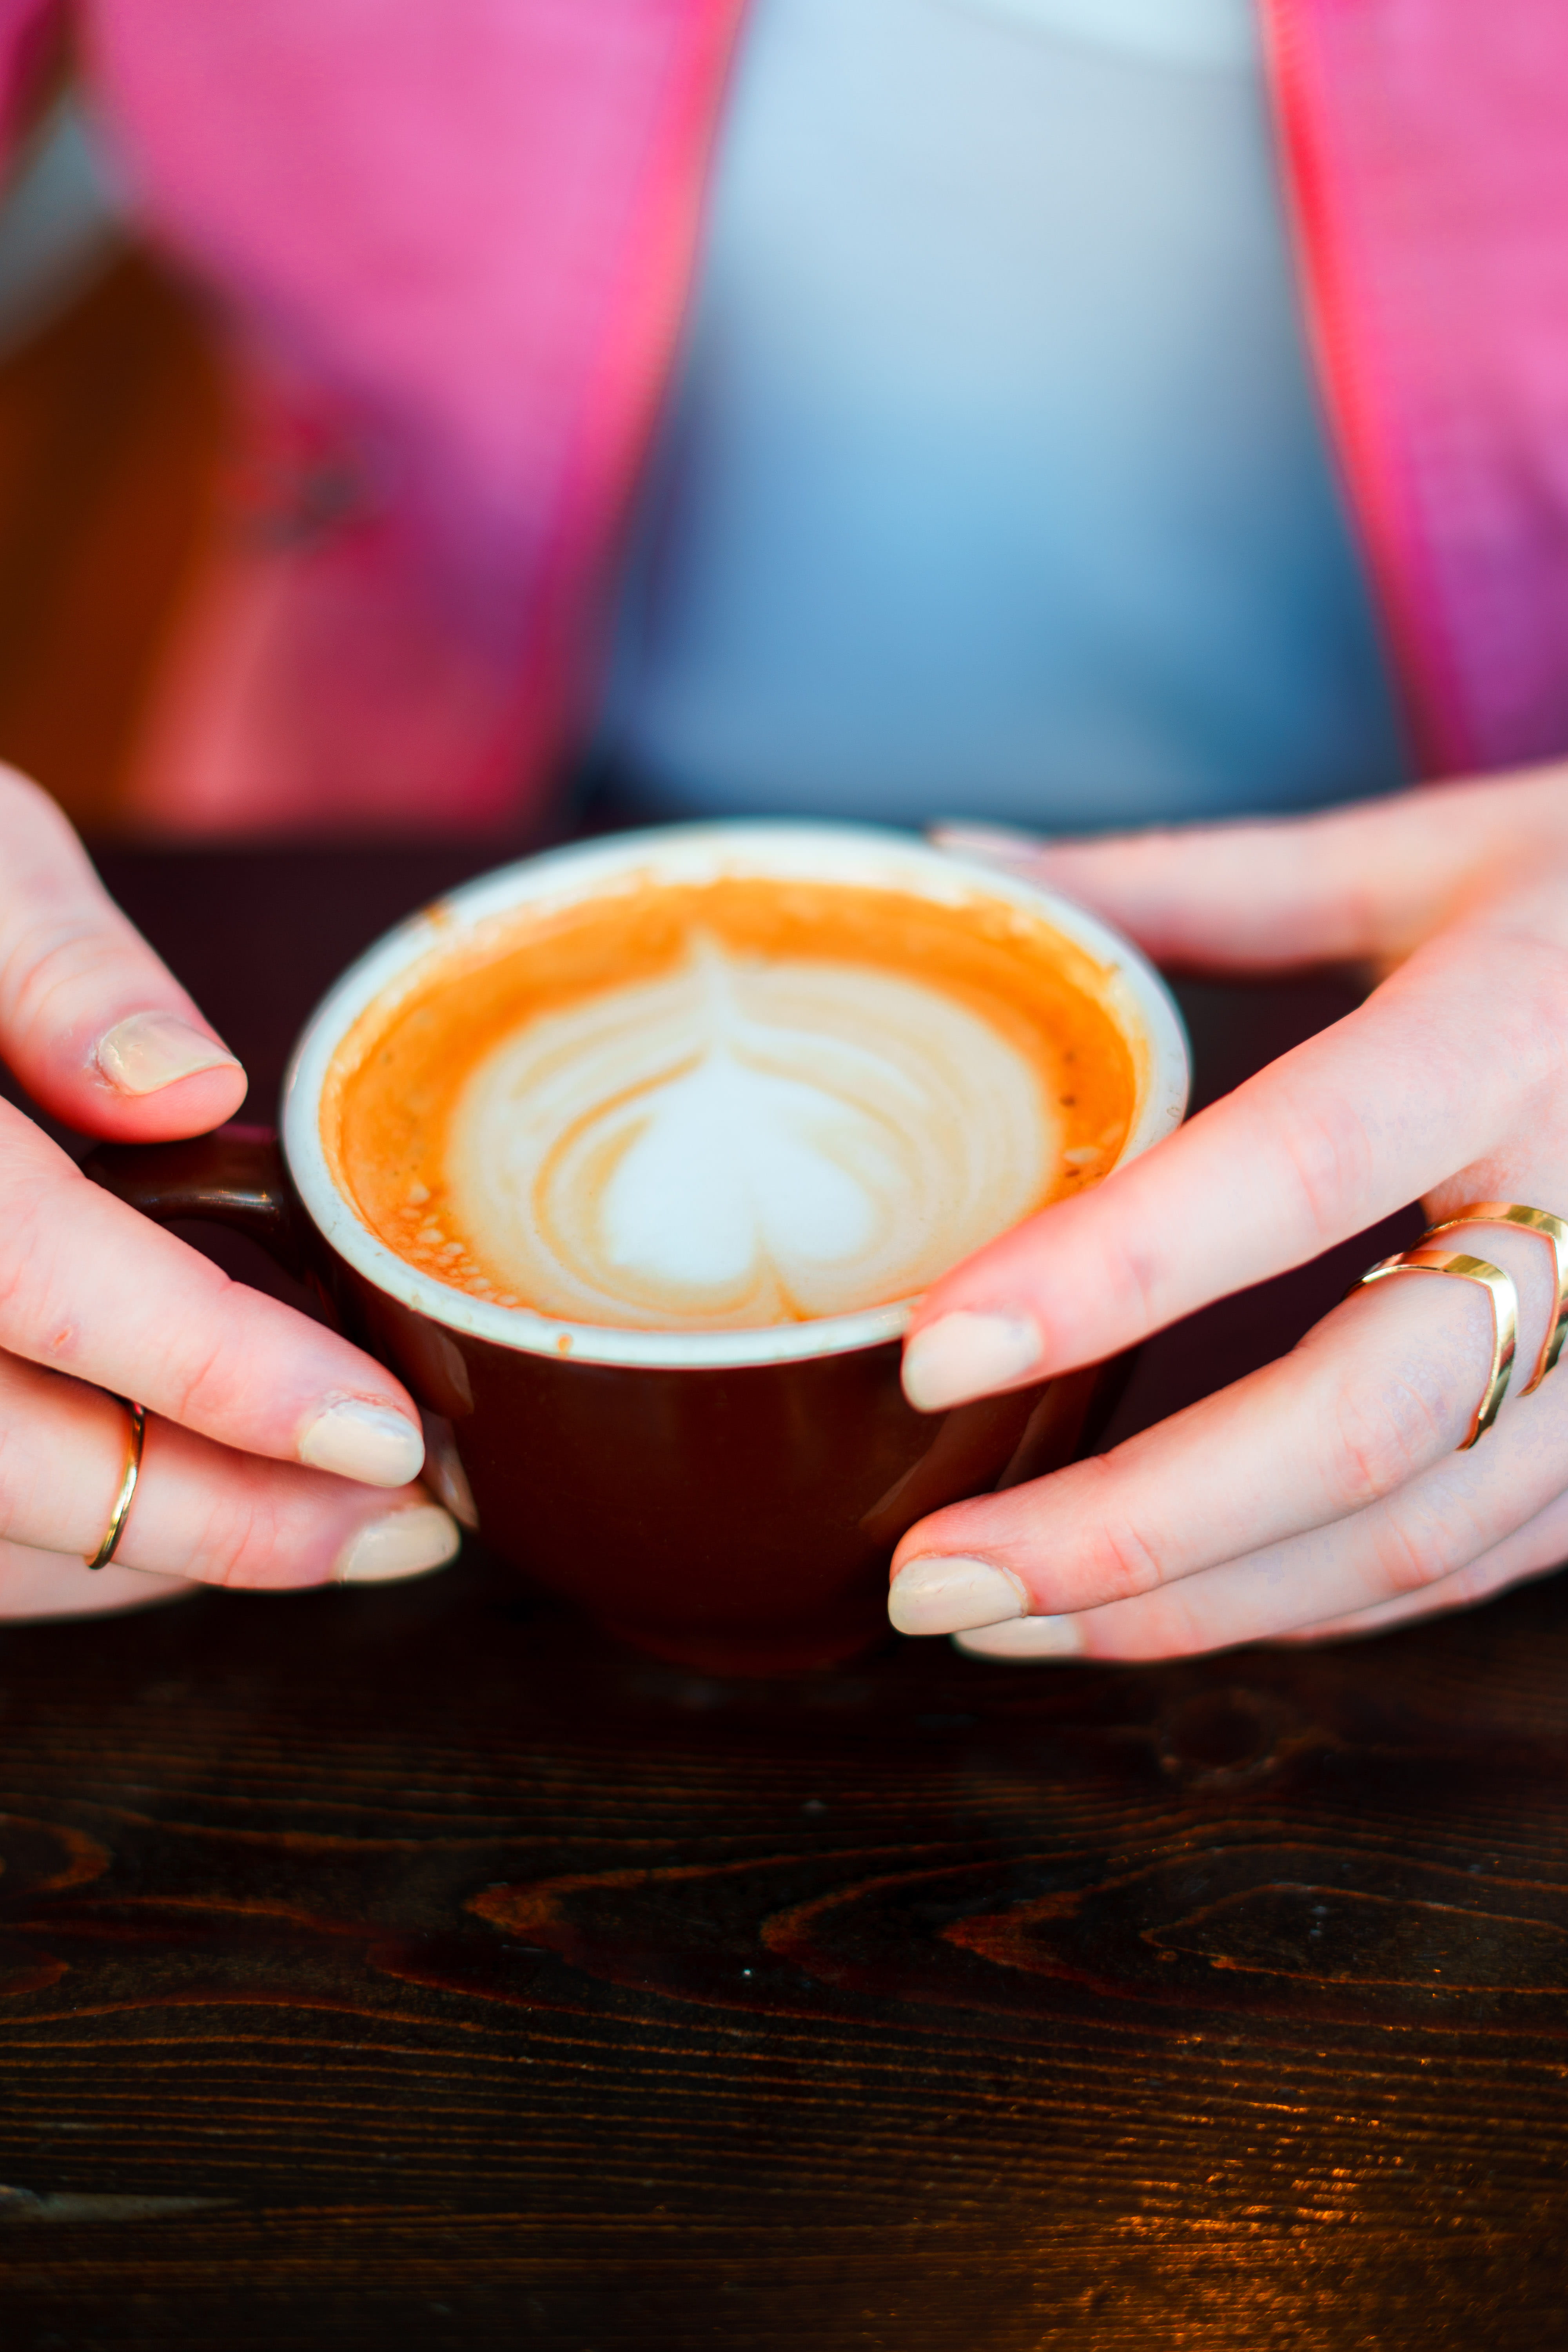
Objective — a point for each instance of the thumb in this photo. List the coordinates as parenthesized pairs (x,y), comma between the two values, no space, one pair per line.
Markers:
(1273,893)
(100,1034)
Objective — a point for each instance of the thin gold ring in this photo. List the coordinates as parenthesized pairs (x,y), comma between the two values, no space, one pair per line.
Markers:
(138,1418)
(1498,1287)
(1551,1229)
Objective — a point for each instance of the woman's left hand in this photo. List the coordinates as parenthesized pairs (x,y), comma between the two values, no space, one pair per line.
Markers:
(1323,1495)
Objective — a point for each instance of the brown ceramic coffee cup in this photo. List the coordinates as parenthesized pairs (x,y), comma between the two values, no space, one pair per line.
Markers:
(726,1498)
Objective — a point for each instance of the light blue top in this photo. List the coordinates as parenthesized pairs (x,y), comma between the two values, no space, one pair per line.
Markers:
(995,481)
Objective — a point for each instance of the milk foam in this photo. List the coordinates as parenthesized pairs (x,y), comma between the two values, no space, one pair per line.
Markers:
(745,1143)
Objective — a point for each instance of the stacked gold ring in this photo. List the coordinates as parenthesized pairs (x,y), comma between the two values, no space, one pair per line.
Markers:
(136,1430)
(1498,1287)
(1554,1232)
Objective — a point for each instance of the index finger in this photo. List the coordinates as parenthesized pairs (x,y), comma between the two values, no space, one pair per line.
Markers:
(91,1287)
(1269,894)
(1378,1110)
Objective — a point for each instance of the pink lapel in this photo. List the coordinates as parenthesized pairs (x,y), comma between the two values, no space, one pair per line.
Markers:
(456,240)
(1428,152)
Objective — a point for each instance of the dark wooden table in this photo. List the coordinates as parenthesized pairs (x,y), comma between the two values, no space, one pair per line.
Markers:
(407,1969)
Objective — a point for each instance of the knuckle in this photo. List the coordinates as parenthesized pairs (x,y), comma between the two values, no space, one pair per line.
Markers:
(1407,1555)
(1379,1438)
(1120,1563)
(1330,1157)
(202,1386)
(242,1534)
(36,1314)
(48,960)
(1166,1629)
(207,1371)
(1131,1279)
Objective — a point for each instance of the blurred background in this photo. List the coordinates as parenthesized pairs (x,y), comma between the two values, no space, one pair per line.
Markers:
(112,437)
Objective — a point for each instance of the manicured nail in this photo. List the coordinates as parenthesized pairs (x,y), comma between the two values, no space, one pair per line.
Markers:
(149,1050)
(1026,1637)
(964,1355)
(988,844)
(367,1442)
(943,1596)
(406,1543)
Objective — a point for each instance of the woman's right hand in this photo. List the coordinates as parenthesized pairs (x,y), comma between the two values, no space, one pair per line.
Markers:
(276,1454)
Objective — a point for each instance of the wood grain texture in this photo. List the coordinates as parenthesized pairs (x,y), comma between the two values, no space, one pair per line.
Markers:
(412,1969)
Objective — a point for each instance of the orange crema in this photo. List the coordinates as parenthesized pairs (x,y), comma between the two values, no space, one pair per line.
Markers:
(392,1109)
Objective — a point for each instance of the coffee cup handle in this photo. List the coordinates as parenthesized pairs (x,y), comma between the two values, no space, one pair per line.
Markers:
(233,1177)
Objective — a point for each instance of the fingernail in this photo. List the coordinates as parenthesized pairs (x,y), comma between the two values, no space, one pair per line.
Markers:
(964,1355)
(943,1596)
(149,1050)
(1026,1637)
(406,1543)
(988,844)
(367,1442)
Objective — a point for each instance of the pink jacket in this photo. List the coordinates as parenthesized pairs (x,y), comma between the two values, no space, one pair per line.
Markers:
(452,244)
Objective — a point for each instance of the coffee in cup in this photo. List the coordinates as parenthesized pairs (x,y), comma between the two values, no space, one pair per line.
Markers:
(728,1103)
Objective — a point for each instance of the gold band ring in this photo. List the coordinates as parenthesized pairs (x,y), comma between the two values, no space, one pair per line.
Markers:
(121,1511)
(1531,1221)
(1499,1289)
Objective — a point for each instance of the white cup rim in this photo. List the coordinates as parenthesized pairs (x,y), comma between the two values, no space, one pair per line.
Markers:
(790,849)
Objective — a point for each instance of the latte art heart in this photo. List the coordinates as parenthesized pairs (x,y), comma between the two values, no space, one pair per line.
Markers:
(745,1142)
(727,1101)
